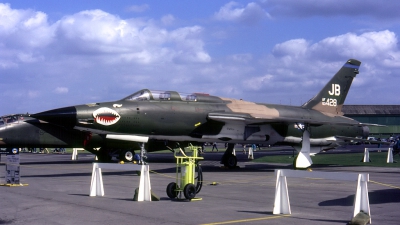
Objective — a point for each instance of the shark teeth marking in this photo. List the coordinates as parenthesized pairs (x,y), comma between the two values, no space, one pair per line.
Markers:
(106,116)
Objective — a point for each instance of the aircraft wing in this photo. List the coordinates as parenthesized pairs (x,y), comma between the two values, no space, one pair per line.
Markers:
(251,120)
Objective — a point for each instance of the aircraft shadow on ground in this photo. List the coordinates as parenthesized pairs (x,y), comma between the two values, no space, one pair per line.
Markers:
(297,218)
(123,173)
(375,197)
(58,162)
(131,199)
(169,170)
(257,212)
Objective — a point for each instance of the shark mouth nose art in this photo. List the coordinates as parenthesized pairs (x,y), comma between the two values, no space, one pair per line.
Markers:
(106,116)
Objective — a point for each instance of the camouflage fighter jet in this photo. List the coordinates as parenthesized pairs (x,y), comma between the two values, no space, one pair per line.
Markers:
(179,118)
(23,131)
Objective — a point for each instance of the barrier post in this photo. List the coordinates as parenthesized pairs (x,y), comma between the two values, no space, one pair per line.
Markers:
(144,184)
(390,156)
(361,200)
(251,156)
(97,188)
(74,155)
(281,203)
(366,155)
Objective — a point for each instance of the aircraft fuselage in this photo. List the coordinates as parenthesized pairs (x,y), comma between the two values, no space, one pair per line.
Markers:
(205,119)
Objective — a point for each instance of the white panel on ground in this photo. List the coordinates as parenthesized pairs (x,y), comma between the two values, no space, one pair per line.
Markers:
(97,189)
(282,204)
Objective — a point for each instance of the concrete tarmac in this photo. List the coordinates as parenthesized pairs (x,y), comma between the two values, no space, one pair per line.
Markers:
(58,193)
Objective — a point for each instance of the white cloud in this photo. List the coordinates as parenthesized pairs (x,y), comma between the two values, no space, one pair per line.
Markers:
(233,11)
(95,32)
(100,56)
(61,90)
(138,8)
(24,28)
(189,46)
(300,66)
(28,57)
(139,41)
(22,32)
(241,58)
(33,94)
(295,47)
(255,83)
(168,19)
(310,8)
(368,45)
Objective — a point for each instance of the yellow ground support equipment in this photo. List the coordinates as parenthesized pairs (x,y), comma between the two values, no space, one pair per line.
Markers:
(186,167)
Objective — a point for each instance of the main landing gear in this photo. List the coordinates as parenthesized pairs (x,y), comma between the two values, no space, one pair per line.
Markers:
(303,160)
(228,159)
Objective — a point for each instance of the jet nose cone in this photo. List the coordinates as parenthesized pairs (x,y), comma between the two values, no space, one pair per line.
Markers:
(65,117)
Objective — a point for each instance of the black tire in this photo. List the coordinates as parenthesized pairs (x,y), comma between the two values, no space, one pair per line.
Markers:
(171,190)
(127,155)
(189,191)
(231,162)
(199,178)
(103,156)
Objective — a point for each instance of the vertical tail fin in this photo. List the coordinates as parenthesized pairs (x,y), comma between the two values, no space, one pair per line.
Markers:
(331,98)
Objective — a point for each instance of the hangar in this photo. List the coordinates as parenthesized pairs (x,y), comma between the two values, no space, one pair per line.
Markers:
(388,115)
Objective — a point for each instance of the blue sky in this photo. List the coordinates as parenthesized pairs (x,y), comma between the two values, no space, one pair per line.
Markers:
(61,53)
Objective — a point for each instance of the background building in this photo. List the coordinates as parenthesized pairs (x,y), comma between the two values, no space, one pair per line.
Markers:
(388,115)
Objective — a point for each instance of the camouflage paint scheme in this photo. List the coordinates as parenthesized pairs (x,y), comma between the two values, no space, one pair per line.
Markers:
(177,118)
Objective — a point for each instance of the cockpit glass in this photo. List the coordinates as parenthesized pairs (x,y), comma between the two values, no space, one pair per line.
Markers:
(146,94)
(190,97)
(161,95)
(139,96)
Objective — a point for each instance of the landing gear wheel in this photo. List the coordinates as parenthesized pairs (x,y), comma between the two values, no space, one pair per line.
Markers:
(189,191)
(127,156)
(199,178)
(231,162)
(171,190)
(103,156)
(294,162)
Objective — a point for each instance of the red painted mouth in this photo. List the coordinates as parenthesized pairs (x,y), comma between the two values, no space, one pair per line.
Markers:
(106,116)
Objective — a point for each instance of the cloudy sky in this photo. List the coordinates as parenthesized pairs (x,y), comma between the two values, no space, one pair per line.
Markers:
(61,53)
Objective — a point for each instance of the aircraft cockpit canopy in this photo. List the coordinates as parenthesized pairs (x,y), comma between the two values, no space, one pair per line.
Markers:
(139,96)
(146,95)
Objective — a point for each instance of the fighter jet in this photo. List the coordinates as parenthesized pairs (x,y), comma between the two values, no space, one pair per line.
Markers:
(23,131)
(181,118)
